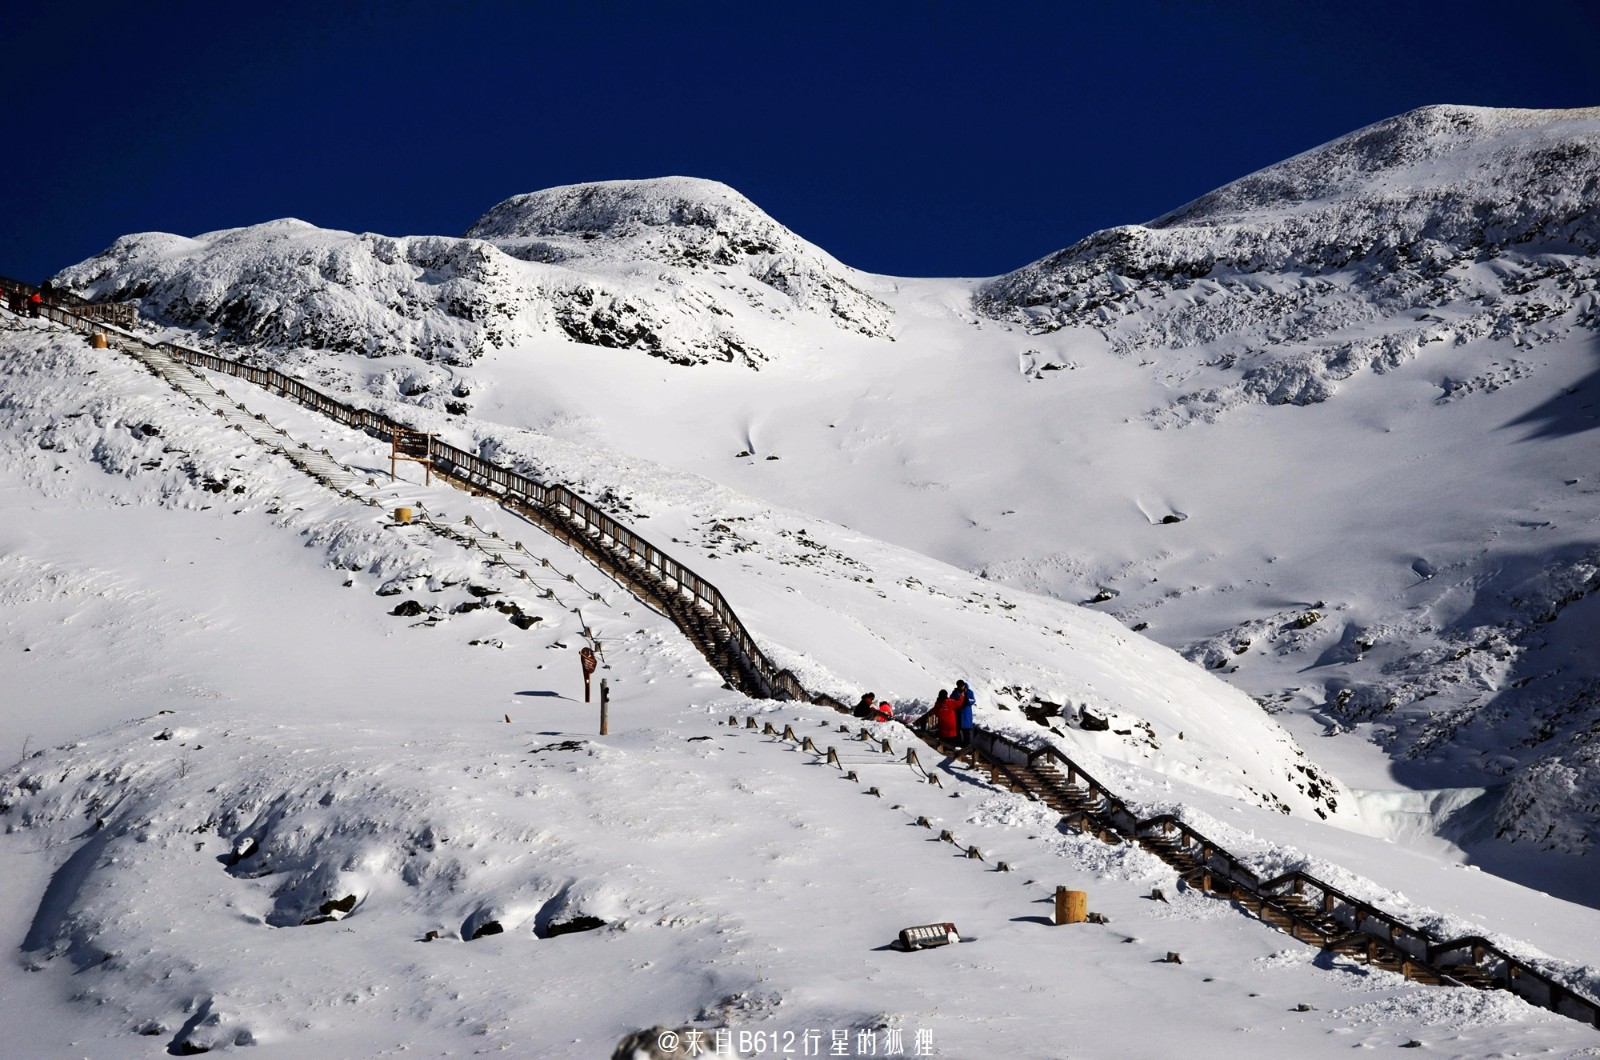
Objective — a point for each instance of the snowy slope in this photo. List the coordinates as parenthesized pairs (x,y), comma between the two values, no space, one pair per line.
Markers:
(263,866)
(844,612)
(1325,431)
(1454,246)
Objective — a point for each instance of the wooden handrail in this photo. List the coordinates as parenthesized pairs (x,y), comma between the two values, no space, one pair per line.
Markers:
(1247,880)
(119,313)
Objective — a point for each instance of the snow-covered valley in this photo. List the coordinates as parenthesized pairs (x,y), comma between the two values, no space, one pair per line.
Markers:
(1358,491)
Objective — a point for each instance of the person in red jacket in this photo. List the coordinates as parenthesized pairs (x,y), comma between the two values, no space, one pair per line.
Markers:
(944,717)
(34,303)
(885,711)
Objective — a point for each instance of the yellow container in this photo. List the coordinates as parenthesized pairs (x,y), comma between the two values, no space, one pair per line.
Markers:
(402,515)
(100,342)
(1072,907)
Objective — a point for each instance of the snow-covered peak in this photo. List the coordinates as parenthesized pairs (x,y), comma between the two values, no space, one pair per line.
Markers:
(683,222)
(623,207)
(1415,193)
(1418,154)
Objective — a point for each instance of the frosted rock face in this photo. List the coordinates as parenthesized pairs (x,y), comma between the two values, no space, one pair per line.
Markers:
(683,270)
(1555,803)
(1275,271)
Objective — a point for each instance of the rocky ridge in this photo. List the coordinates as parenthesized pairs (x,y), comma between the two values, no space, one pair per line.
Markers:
(685,270)
(1440,225)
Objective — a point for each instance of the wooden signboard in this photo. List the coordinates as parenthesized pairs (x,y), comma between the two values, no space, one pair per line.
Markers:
(414,446)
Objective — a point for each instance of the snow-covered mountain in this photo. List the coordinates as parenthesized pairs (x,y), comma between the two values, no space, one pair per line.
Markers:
(1464,245)
(1404,199)
(682,269)
(376,738)
(696,225)
(1325,430)
(1492,216)
(290,780)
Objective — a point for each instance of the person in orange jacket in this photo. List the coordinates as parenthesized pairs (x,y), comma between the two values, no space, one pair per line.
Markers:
(34,303)
(885,711)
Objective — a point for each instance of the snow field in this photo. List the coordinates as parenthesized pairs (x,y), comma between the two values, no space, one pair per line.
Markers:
(807,589)
(742,883)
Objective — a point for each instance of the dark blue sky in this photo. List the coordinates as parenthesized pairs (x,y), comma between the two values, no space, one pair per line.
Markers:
(914,139)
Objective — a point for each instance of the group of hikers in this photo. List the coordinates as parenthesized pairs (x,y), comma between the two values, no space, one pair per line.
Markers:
(950,720)
(26,305)
(32,305)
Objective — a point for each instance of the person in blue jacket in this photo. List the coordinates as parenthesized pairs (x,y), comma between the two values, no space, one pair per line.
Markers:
(964,700)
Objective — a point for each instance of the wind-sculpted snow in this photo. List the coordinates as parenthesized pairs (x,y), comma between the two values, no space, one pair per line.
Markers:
(706,283)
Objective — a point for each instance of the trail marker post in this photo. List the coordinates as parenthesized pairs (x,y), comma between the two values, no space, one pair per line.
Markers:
(586,658)
(605,708)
